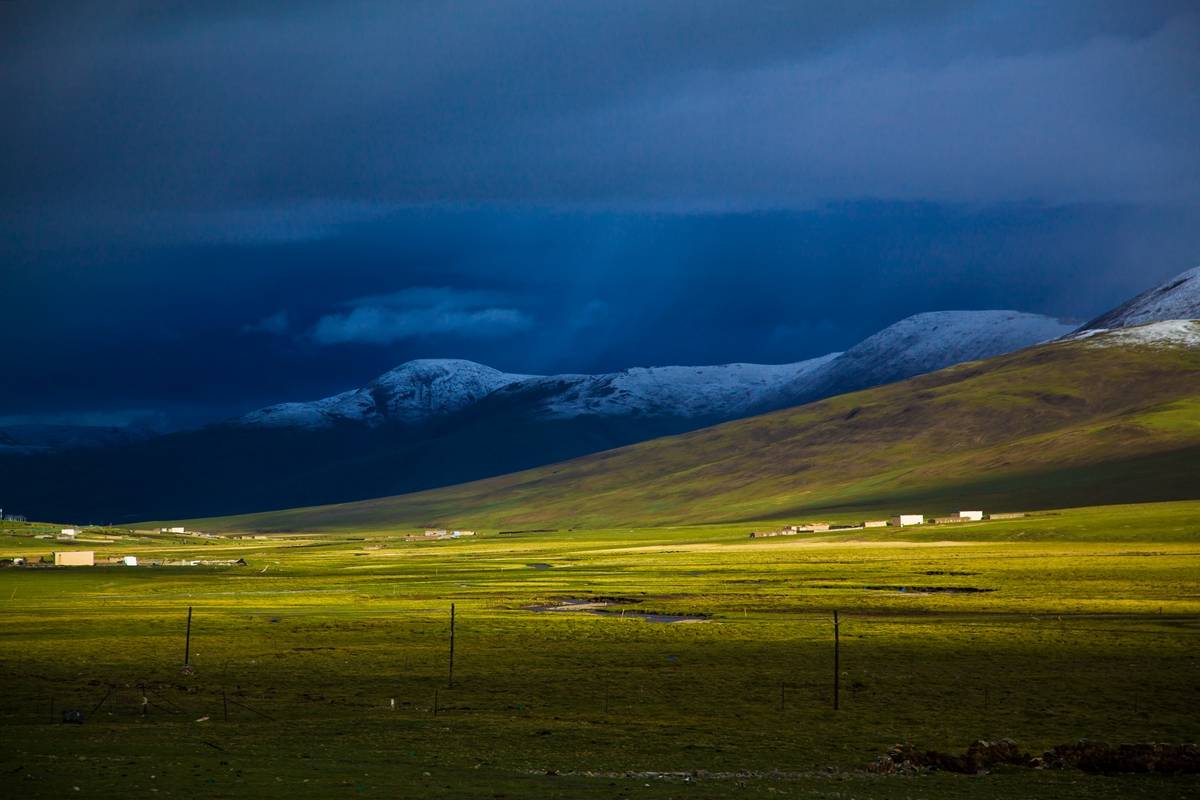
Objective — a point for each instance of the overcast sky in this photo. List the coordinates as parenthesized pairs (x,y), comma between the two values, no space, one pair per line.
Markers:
(205,207)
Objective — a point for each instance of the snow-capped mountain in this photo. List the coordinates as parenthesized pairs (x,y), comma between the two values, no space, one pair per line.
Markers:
(421,391)
(925,343)
(1178,298)
(410,394)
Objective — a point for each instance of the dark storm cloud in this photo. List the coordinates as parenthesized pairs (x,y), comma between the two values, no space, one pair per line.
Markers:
(260,117)
(208,207)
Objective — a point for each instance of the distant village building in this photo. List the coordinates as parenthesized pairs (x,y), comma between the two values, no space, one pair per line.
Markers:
(129,561)
(875,523)
(69,533)
(792,530)
(971,516)
(456,534)
(903,520)
(1008,515)
(436,532)
(74,558)
(809,527)
(945,520)
(173,530)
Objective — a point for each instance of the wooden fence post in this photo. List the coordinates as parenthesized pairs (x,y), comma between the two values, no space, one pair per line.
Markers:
(187,641)
(837,658)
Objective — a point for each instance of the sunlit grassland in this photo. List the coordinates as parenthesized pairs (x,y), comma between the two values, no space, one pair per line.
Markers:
(1089,629)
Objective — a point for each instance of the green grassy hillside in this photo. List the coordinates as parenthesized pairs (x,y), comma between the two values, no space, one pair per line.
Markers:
(1103,420)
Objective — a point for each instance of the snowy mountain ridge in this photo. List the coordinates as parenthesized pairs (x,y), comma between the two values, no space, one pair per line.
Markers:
(419,391)
(727,390)
(410,394)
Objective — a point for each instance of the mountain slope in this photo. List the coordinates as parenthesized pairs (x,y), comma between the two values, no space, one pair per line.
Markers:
(925,343)
(436,423)
(1112,417)
(720,392)
(1178,298)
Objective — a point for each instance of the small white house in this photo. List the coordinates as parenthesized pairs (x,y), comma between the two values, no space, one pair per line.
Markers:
(973,516)
(69,533)
(875,523)
(172,530)
(129,561)
(903,520)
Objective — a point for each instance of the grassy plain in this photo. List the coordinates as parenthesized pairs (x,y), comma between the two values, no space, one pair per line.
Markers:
(1089,628)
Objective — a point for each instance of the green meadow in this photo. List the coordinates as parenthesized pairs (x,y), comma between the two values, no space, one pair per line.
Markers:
(704,666)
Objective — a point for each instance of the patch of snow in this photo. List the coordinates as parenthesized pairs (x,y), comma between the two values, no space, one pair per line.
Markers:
(1168,333)
(1178,298)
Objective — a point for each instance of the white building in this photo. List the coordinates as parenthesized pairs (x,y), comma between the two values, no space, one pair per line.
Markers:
(973,516)
(172,530)
(129,561)
(74,558)
(903,520)
(70,533)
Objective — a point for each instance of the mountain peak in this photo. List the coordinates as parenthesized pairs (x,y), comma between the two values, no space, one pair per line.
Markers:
(1178,298)
(410,394)
(418,390)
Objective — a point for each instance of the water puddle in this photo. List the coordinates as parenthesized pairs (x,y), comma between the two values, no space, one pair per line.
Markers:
(613,607)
